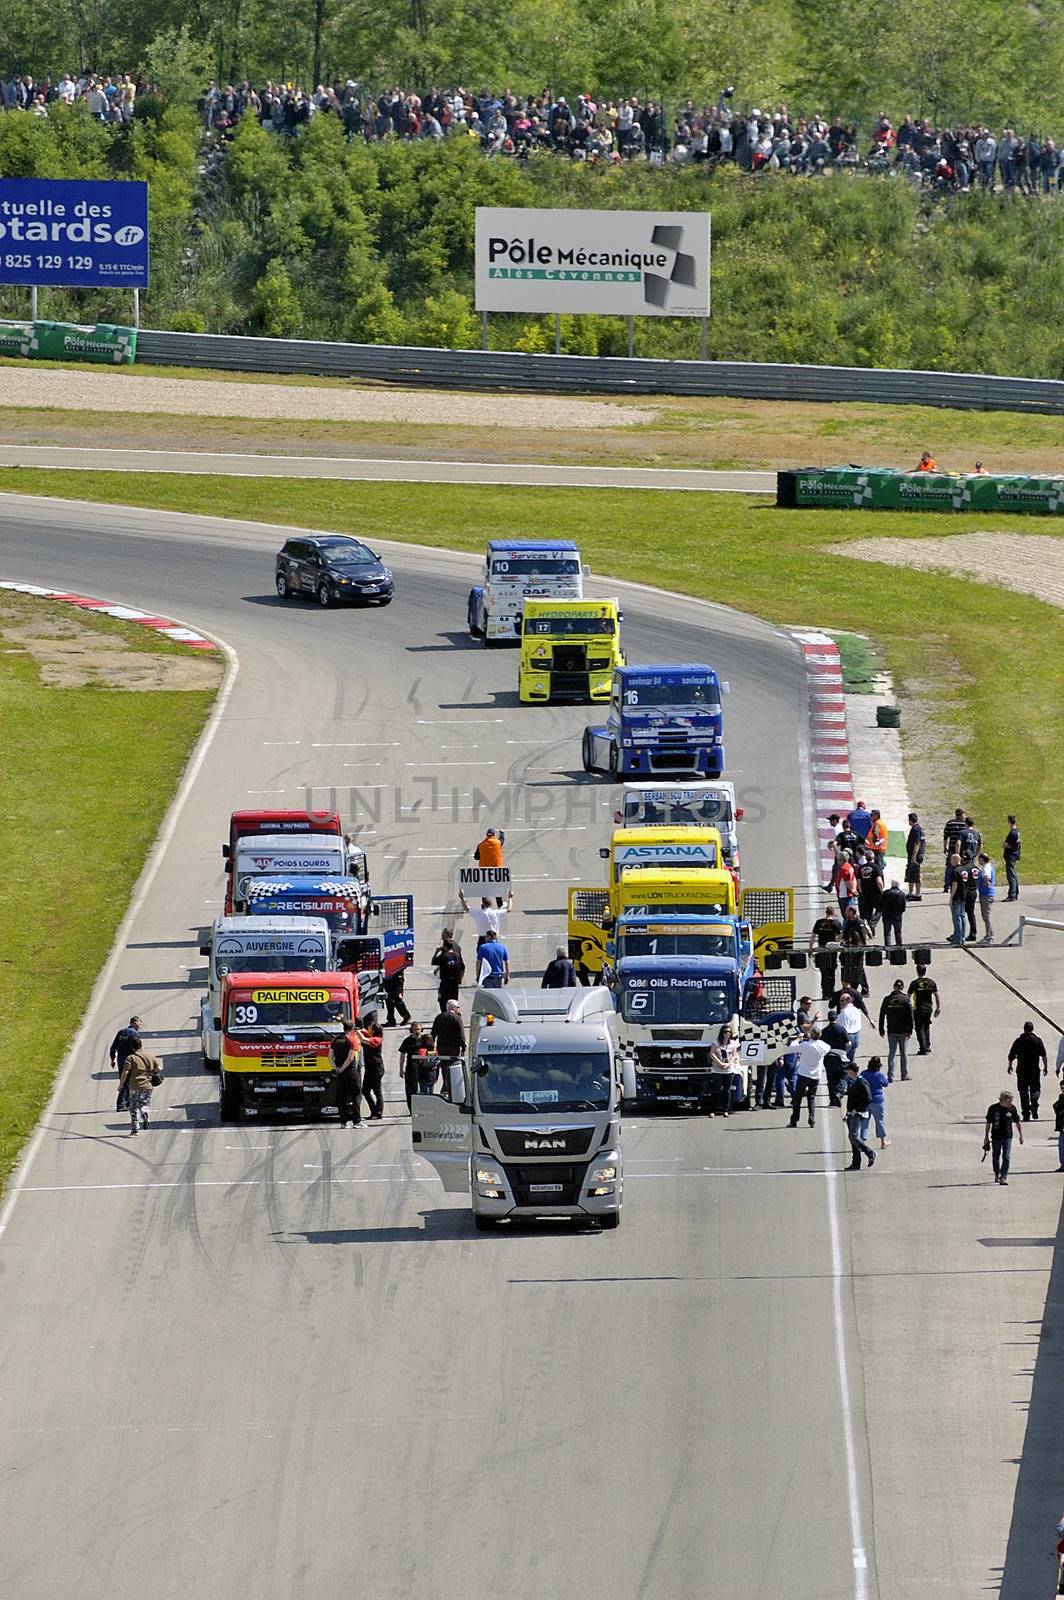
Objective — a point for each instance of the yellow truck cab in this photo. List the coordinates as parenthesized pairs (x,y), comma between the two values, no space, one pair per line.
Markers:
(678,867)
(569,649)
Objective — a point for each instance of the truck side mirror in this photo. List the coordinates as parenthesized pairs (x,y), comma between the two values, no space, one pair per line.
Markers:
(204,949)
(225,852)
(585,569)
(618,816)
(604,852)
(464,1110)
(725,688)
(738,813)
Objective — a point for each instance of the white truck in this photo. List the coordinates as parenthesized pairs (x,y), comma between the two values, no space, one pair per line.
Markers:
(268,855)
(256,944)
(704,805)
(516,569)
(537,1133)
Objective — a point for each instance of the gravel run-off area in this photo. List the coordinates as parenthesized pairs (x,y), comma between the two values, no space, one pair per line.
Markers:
(125,392)
(1026,563)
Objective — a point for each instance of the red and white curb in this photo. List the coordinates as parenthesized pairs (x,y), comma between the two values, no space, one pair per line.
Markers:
(830,745)
(165,625)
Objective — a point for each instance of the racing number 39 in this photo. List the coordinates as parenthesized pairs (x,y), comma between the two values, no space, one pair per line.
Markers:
(246,1014)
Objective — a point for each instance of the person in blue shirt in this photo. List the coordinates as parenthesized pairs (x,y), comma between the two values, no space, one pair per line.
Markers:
(496,958)
(987,892)
(876,1079)
(860,820)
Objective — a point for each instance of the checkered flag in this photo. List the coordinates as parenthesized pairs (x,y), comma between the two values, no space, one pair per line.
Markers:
(669,236)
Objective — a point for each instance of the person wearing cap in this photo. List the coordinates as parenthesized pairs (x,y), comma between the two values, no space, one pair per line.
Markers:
(488,852)
(1002,1120)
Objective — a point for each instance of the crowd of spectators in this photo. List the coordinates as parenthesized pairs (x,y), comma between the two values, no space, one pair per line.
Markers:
(108,99)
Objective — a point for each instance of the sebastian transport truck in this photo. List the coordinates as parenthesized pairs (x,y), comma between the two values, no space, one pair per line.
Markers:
(691,805)
(569,649)
(663,721)
(520,569)
(236,945)
(276,1031)
(538,1132)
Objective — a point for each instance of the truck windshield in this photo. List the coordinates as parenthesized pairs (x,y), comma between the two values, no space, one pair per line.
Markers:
(532,1081)
(690,1001)
(289,1010)
(688,942)
(704,696)
(662,810)
(277,961)
(538,565)
(566,627)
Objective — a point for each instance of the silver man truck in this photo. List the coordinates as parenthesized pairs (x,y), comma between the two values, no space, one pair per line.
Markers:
(538,1131)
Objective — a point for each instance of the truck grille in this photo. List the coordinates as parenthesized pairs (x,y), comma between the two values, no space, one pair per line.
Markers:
(673,760)
(546,1184)
(574,1141)
(276,1063)
(569,685)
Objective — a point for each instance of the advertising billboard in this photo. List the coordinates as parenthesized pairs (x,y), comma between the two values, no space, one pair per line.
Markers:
(74,234)
(614,263)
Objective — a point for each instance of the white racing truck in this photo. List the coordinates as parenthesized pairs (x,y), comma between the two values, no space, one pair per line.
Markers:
(538,1131)
(516,569)
(703,805)
(255,944)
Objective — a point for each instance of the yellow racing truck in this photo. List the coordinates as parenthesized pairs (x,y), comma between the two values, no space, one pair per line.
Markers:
(569,649)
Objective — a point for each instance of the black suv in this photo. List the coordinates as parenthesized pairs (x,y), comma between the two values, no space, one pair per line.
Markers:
(333,568)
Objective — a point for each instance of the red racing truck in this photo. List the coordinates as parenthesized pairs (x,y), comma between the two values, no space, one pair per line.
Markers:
(276,1033)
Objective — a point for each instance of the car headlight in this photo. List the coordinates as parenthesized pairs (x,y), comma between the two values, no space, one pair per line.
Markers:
(488,1175)
(386,572)
(603,1174)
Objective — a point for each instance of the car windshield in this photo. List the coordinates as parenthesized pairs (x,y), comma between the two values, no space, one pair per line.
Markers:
(323,1011)
(689,942)
(665,1000)
(348,555)
(277,961)
(567,627)
(660,812)
(537,564)
(703,696)
(538,1080)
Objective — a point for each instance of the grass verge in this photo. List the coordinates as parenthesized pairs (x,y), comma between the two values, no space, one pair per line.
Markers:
(78,825)
(980,670)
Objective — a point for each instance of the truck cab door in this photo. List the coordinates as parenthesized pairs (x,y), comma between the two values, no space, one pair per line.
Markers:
(392,920)
(587,934)
(770,913)
(443,1134)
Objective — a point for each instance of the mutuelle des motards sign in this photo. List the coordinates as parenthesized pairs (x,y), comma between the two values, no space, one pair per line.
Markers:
(617,263)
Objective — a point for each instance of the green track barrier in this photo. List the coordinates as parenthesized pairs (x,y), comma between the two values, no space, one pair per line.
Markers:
(68,341)
(877,489)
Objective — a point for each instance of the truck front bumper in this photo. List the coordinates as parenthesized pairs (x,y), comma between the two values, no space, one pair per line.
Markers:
(673,761)
(570,1189)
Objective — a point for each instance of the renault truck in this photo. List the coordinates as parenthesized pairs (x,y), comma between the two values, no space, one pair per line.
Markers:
(663,721)
(569,649)
(520,569)
(538,1132)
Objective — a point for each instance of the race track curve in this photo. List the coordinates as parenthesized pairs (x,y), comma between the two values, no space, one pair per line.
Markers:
(277,1361)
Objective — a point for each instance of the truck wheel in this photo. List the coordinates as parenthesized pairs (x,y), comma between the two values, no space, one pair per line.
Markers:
(615,760)
(588,751)
(283,591)
(484,1224)
(228,1102)
(612,1219)
(209,1065)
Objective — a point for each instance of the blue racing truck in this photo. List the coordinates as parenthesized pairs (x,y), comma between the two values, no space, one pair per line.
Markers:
(663,721)
(516,569)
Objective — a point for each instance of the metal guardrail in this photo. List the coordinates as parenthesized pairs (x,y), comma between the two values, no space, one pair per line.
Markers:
(511,370)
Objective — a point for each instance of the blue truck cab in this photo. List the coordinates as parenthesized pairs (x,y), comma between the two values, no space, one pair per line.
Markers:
(516,569)
(640,933)
(663,721)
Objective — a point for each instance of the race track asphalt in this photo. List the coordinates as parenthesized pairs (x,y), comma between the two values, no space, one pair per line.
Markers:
(277,1361)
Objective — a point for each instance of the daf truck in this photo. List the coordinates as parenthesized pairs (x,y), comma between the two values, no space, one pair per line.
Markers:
(236,945)
(569,649)
(663,721)
(538,1132)
(520,569)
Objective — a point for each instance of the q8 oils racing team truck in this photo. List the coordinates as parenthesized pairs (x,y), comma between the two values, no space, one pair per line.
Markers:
(276,1030)
(236,945)
(663,721)
(538,1133)
(569,650)
(518,569)
(671,1009)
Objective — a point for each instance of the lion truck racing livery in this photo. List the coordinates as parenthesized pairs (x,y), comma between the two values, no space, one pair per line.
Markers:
(538,1133)
(277,1028)
(699,805)
(275,855)
(569,649)
(671,1009)
(237,945)
(516,569)
(663,721)
(372,935)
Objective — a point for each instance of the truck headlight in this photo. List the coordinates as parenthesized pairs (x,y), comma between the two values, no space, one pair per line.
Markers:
(489,1175)
(603,1174)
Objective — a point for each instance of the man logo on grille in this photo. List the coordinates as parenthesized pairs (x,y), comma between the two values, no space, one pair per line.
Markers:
(669,236)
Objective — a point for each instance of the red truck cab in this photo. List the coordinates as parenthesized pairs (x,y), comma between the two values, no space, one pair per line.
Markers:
(243,823)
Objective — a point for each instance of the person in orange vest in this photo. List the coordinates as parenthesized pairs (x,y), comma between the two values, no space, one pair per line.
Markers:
(878,838)
(488,852)
(927,463)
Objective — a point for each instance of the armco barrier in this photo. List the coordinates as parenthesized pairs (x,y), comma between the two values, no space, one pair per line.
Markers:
(501,369)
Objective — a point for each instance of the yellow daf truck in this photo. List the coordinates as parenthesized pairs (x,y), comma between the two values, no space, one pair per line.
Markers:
(569,649)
